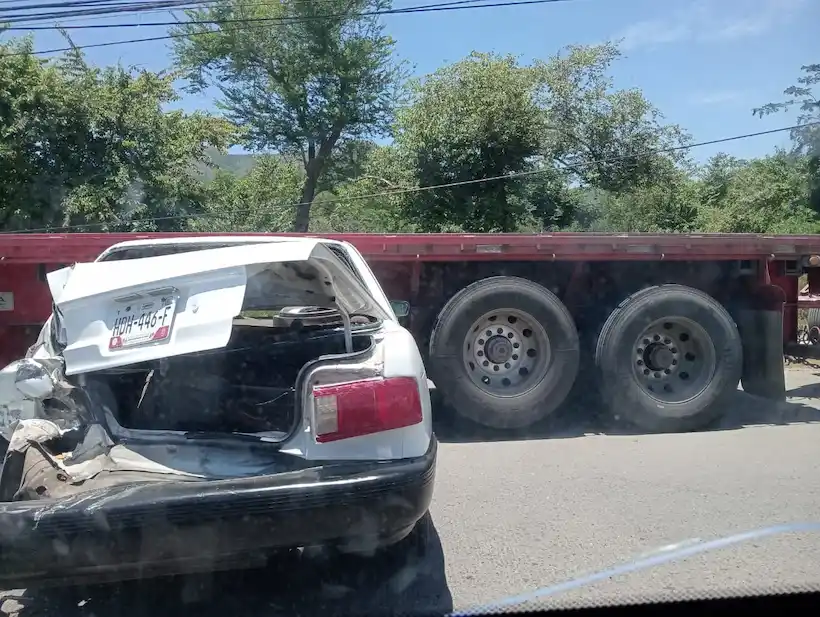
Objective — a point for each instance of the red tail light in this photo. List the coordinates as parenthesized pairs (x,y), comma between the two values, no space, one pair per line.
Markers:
(363,407)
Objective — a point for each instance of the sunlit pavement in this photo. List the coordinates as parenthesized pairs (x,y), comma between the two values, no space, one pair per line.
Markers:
(515,515)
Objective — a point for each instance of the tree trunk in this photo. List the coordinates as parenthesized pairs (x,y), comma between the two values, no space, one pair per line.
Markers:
(314,165)
(301,222)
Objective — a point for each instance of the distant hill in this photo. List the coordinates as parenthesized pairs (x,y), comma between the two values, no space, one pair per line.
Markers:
(238,164)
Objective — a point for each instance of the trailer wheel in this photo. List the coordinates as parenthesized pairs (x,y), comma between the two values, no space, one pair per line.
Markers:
(813,321)
(669,356)
(504,352)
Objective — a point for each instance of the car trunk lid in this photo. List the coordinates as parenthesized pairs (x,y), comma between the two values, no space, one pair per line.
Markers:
(117,313)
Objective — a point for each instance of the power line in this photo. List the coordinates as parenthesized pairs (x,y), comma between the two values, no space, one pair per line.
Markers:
(107,8)
(432,187)
(130,6)
(92,12)
(169,4)
(75,3)
(430,8)
(416,9)
(104,3)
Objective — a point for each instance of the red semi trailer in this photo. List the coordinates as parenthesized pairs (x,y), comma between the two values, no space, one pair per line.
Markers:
(662,326)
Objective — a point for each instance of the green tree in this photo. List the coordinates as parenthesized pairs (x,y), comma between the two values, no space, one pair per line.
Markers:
(716,178)
(766,195)
(372,201)
(83,145)
(667,206)
(553,124)
(801,97)
(477,118)
(262,199)
(311,77)
(546,199)
(609,139)
(806,135)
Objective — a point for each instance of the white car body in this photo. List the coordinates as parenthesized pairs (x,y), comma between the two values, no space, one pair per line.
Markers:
(211,284)
(156,391)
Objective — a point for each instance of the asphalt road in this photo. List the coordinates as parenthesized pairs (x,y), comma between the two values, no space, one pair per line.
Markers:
(516,515)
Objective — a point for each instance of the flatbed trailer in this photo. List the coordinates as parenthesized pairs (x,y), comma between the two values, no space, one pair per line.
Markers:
(662,325)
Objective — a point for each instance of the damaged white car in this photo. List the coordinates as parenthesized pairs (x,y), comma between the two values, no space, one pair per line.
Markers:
(197,403)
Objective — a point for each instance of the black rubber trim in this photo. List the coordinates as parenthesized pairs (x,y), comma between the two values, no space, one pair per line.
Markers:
(108,530)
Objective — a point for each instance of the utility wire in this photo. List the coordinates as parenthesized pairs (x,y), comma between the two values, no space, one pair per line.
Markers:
(7,14)
(421,189)
(13,21)
(449,6)
(75,3)
(127,3)
(105,8)
(429,8)
(269,20)
(82,3)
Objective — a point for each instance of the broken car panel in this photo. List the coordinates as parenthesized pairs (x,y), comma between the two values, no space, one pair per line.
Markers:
(180,395)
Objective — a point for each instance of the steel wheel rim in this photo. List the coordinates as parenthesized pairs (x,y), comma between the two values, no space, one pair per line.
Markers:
(674,360)
(506,352)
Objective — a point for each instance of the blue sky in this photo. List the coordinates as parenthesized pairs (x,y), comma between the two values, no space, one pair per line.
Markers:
(704,63)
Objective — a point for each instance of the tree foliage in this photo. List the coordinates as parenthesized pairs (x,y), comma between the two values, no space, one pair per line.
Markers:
(767,195)
(477,118)
(371,200)
(262,199)
(609,139)
(84,145)
(801,96)
(312,77)
(549,125)
(487,144)
(662,207)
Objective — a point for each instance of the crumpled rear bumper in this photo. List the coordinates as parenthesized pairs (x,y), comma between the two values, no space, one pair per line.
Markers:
(141,530)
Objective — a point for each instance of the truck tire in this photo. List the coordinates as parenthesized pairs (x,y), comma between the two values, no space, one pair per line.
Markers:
(504,352)
(669,357)
(813,322)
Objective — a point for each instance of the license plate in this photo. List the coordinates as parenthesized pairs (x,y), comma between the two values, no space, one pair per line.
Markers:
(142,321)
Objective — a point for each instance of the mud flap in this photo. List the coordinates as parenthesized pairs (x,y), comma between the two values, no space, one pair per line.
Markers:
(761,327)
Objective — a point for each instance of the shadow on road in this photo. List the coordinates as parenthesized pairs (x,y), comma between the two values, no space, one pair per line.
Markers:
(810,390)
(583,414)
(413,581)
